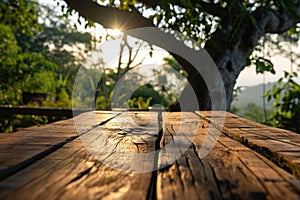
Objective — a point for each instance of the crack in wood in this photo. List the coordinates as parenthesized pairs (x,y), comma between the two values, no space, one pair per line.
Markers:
(205,164)
(151,194)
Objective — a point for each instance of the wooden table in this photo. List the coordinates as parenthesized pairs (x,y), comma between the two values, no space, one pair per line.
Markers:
(247,161)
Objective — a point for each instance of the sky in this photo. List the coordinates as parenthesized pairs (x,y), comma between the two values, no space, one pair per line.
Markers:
(247,77)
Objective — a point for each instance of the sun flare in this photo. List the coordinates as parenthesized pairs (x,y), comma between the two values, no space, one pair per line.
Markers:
(115,32)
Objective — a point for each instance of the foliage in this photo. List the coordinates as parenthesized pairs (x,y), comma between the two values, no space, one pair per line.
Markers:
(10,123)
(17,66)
(61,44)
(264,65)
(40,82)
(20,16)
(285,93)
(140,103)
(142,97)
(38,54)
(286,106)
(200,19)
(146,96)
(253,112)
(250,110)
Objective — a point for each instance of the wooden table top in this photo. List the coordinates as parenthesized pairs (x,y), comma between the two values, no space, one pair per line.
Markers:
(108,155)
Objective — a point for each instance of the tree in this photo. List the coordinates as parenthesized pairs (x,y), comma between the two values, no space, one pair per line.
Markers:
(35,57)
(228,29)
(17,19)
(286,112)
(59,42)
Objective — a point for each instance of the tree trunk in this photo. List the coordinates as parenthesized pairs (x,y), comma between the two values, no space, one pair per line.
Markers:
(229,46)
(230,59)
(229,73)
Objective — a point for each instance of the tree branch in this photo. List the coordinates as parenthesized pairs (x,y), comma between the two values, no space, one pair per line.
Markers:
(109,17)
(271,21)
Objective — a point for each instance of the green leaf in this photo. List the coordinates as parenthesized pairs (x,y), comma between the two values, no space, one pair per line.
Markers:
(286,74)
(278,97)
(264,65)
(267,93)
(294,74)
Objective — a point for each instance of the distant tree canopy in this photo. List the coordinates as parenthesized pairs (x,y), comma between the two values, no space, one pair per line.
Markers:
(18,18)
(37,51)
(37,59)
(228,29)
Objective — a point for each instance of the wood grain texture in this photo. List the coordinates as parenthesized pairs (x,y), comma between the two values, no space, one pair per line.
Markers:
(112,158)
(229,171)
(21,148)
(280,146)
(71,172)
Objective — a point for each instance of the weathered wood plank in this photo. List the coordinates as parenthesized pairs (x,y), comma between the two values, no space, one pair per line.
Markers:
(229,171)
(102,162)
(188,177)
(280,146)
(21,148)
(71,172)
